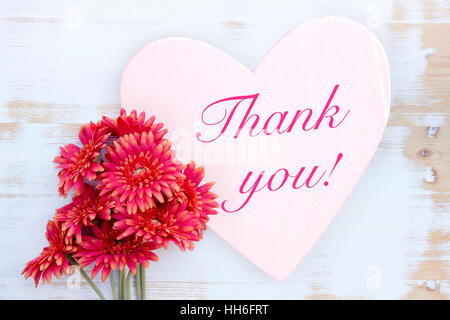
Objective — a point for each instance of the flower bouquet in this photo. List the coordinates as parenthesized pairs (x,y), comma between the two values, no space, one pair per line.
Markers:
(131,197)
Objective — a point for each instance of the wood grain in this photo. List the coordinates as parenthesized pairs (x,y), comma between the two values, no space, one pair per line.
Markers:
(61,64)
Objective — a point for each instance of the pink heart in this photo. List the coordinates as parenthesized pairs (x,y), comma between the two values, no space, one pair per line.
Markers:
(175,79)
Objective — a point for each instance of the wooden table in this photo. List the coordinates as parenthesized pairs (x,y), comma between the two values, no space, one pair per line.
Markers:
(60,66)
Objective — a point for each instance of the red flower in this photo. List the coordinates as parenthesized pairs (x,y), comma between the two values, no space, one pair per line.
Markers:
(131,197)
(52,259)
(78,163)
(171,222)
(132,123)
(143,224)
(84,208)
(139,171)
(198,198)
(178,225)
(108,253)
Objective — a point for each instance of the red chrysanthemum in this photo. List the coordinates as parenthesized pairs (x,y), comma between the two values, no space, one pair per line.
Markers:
(52,259)
(131,197)
(139,171)
(108,253)
(126,124)
(143,224)
(171,222)
(84,208)
(178,225)
(198,197)
(77,163)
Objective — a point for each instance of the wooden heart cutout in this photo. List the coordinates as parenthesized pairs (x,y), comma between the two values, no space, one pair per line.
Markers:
(285,143)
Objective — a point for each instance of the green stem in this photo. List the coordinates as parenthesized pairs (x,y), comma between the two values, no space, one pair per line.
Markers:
(120,284)
(138,282)
(86,276)
(113,285)
(142,282)
(96,289)
(127,285)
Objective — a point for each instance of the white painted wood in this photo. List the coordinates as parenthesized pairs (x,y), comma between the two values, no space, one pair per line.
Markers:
(60,66)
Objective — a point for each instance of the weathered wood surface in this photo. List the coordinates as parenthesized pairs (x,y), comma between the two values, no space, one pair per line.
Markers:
(61,63)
